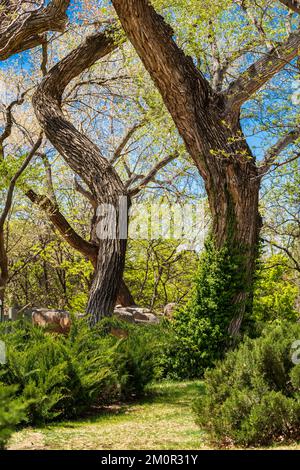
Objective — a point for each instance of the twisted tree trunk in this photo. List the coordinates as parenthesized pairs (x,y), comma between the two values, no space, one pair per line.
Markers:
(85,158)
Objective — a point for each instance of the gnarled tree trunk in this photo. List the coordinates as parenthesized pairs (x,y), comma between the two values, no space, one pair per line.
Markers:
(85,158)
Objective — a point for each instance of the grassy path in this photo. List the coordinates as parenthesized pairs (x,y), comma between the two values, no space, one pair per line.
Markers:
(163,421)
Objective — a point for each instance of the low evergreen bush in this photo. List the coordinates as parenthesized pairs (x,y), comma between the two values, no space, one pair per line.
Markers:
(62,377)
(12,412)
(253,396)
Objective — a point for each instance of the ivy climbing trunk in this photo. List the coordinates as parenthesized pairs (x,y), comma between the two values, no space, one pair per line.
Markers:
(236,222)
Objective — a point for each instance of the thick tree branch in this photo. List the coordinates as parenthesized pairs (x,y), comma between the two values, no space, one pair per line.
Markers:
(259,73)
(293,5)
(180,83)
(277,148)
(71,144)
(26,29)
(60,222)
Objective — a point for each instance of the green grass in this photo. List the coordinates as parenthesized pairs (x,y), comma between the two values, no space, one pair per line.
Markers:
(162,420)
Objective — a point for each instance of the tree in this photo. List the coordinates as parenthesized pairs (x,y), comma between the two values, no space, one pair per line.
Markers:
(208,119)
(4,270)
(134,183)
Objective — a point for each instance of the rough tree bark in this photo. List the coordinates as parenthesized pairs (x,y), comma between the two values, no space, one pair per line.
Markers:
(208,122)
(85,158)
(22,28)
(88,249)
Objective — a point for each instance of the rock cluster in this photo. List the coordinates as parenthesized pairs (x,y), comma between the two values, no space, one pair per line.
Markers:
(136,314)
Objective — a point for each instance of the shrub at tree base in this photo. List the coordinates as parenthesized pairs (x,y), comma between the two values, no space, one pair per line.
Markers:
(140,359)
(253,396)
(201,327)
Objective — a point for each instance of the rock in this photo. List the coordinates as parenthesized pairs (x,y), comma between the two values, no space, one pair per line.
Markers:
(56,321)
(170,309)
(119,333)
(123,314)
(136,314)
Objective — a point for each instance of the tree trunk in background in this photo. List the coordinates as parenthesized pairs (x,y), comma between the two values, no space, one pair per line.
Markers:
(125,298)
(3,271)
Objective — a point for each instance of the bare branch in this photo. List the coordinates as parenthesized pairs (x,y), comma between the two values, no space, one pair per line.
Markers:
(14,179)
(152,173)
(85,192)
(125,141)
(286,250)
(277,148)
(9,120)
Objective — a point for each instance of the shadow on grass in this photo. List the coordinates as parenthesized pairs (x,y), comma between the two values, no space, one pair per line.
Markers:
(174,394)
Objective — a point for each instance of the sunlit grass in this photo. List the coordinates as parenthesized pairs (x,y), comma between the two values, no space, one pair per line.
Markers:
(162,420)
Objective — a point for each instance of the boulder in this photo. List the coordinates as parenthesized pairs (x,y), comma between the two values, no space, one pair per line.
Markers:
(136,314)
(56,321)
(169,310)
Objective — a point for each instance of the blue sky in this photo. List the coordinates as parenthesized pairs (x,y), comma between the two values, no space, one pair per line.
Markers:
(258,141)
